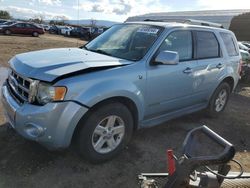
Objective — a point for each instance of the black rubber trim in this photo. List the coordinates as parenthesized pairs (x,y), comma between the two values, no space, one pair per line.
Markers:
(77,102)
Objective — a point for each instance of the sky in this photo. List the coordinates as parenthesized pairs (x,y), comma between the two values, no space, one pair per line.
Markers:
(113,10)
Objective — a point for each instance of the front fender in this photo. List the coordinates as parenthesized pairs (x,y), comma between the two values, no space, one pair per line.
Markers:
(113,88)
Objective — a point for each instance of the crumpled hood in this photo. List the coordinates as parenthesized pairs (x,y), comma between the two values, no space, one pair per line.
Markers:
(47,65)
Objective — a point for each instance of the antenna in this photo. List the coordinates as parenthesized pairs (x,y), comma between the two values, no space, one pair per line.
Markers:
(78,21)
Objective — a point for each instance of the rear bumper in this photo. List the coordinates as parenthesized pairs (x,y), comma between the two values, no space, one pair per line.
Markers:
(51,125)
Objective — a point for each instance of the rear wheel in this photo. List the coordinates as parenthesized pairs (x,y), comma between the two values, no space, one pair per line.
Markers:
(105,132)
(219,100)
(7,32)
(35,34)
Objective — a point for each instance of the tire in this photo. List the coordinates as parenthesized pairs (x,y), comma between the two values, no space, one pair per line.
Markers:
(118,136)
(35,34)
(219,100)
(7,32)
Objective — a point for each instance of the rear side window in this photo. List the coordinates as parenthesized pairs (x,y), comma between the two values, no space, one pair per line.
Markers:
(207,45)
(30,26)
(229,44)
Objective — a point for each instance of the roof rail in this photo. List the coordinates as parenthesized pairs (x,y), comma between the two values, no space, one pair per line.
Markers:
(188,21)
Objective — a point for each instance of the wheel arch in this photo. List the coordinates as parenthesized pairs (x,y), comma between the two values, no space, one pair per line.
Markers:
(230,81)
(129,103)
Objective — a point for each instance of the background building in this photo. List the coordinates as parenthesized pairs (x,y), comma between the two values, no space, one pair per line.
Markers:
(240,25)
(223,17)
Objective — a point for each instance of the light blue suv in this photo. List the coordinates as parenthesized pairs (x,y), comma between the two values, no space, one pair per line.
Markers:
(134,75)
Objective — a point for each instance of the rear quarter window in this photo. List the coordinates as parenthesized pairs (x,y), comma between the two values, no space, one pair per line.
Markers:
(207,45)
(229,44)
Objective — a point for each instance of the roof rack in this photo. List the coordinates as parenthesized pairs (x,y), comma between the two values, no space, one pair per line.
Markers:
(188,21)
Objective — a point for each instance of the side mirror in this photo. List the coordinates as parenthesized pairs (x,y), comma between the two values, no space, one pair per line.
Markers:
(167,58)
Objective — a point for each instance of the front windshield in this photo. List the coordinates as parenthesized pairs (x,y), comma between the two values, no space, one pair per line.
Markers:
(126,41)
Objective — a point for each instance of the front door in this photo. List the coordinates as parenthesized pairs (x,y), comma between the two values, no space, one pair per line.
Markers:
(29,29)
(170,87)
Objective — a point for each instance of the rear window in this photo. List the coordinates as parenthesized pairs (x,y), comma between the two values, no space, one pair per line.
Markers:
(229,44)
(207,45)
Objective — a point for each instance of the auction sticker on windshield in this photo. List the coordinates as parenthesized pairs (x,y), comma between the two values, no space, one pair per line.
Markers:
(148,30)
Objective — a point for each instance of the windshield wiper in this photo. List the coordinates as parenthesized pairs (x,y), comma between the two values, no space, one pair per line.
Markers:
(97,51)
(84,47)
(100,52)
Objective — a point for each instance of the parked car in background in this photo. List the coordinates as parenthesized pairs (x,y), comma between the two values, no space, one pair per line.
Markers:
(60,27)
(22,28)
(243,47)
(245,55)
(75,32)
(134,75)
(81,32)
(96,32)
(245,73)
(54,29)
(105,29)
(66,30)
(2,21)
(7,23)
(247,44)
(46,27)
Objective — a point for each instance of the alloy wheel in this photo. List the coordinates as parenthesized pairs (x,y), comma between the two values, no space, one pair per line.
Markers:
(221,100)
(108,134)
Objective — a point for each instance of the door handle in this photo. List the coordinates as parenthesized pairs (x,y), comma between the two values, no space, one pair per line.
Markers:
(188,70)
(219,66)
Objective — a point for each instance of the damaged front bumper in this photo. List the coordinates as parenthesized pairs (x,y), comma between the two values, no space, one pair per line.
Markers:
(52,125)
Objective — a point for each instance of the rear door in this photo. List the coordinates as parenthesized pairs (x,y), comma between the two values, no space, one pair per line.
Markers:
(210,63)
(18,28)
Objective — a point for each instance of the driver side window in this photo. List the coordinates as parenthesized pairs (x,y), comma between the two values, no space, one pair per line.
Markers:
(181,42)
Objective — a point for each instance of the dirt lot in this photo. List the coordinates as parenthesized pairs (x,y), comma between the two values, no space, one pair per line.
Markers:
(27,164)
(11,45)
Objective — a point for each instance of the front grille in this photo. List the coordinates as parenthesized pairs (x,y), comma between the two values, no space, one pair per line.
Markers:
(20,87)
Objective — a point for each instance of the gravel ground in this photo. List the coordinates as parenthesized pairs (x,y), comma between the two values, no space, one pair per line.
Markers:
(27,164)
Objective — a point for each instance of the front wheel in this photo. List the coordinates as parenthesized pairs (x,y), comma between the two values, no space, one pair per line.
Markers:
(219,100)
(105,132)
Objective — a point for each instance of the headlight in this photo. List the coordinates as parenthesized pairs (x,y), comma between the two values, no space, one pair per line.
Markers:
(47,93)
